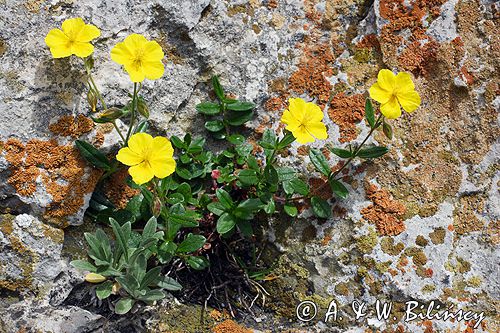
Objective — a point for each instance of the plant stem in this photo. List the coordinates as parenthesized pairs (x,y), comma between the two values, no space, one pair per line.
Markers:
(132,116)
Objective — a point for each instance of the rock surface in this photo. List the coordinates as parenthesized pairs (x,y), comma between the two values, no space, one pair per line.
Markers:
(420,224)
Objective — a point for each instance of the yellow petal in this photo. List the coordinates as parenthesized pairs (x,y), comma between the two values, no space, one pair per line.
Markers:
(121,54)
(161,146)
(317,129)
(61,51)
(153,70)
(94,278)
(288,119)
(379,94)
(128,157)
(314,112)
(410,100)
(404,82)
(135,42)
(391,109)
(141,173)
(72,27)
(82,50)
(302,135)
(163,167)
(56,37)
(88,32)
(386,80)
(140,143)
(135,72)
(153,52)
(297,107)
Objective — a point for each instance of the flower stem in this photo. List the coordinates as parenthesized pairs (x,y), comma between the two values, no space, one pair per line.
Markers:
(132,116)
(378,122)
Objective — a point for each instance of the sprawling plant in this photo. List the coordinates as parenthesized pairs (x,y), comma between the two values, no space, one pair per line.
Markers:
(188,202)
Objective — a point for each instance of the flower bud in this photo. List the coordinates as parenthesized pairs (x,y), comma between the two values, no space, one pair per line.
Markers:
(387,129)
(116,288)
(109,115)
(156,207)
(215,174)
(92,99)
(142,108)
(94,278)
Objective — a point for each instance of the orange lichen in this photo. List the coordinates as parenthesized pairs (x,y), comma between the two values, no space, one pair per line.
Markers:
(230,326)
(346,111)
(117,190)
(385,212)
(419,49)
(59,169)
(72,126)
(313,70)
(320,188)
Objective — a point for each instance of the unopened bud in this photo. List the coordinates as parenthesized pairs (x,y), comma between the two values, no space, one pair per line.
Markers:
(156,207)
(142,108)
(387,129)
(116,288)
(215,174)
(92,99)
(94,278)
(109,115)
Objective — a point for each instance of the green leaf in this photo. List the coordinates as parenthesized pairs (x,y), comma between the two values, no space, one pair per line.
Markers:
(252,163)
(191,243)
(121,236)
(217,208)
(244,149)
(373,152)
(341,152)
(287,140)
(225,223)
(92,155)
(236,139)
(219,91)
(151,278)
(221,135)
(166,252)
(169,284)
(197,263)
(251,205)
(152,295)
(224,198)
(248,177)
(369,113)
(291,210)
(239,118)
(387,129)
(319,161)
(271,174)
(268,139)
(245,228)
(124,305)
(241,106)
(270,208)
(299,186)
(104,290)
(177,142)
(83,265)
(338,188)
(208,108)
(320,207)
(214,125)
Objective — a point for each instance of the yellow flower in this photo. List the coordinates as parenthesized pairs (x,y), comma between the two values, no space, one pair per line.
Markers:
(147,157)
(304,120)
(140,57)
(74,38)
(391,91)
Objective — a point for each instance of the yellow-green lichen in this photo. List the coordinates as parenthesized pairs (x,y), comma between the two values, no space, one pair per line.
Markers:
(366,243)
